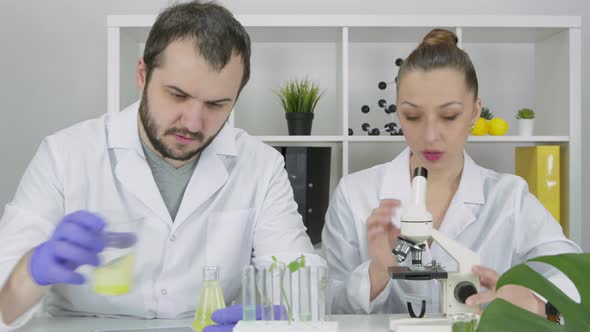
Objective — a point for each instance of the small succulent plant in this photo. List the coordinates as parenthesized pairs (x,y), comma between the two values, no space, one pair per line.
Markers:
(525,113)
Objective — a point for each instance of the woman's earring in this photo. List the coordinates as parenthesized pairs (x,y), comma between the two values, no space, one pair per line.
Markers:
(472,127)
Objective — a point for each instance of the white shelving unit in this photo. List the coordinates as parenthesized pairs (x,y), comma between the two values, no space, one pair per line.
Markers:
(521,61)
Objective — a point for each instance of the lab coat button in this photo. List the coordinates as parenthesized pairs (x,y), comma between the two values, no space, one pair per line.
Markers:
(164,292)
(172,238)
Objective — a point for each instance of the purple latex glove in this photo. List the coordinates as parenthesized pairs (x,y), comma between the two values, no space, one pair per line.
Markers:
(228,317)
(77,240)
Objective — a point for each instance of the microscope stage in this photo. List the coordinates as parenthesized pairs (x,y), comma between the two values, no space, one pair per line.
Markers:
(417,272)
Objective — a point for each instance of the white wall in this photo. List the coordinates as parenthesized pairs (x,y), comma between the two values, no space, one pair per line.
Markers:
(53,60)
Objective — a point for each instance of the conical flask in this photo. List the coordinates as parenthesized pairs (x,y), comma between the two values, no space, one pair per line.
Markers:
(210,300)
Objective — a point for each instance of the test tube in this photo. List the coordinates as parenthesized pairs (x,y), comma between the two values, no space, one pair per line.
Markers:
(266,294)
(322,280)
(304,293)
(248,293)
(285,294)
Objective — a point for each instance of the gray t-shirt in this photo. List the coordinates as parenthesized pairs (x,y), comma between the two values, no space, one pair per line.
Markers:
(171,181)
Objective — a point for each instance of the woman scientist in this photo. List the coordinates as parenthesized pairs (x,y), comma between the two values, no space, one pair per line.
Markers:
(493,214)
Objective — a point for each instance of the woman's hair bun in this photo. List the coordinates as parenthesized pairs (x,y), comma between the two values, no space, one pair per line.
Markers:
(441,37)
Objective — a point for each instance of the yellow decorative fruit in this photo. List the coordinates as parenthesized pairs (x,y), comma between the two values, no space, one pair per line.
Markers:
(497,127)
(480,128)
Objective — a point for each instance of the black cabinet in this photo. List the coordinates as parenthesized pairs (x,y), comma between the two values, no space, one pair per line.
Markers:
(309,173)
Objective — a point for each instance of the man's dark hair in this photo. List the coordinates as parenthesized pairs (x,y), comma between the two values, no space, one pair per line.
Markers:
(217,35)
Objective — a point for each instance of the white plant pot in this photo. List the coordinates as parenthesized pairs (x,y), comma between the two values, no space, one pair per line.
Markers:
(525,127)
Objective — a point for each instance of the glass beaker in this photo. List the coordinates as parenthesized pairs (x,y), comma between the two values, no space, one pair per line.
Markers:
(115,275)
(210,299)
(473,319)
(463,322)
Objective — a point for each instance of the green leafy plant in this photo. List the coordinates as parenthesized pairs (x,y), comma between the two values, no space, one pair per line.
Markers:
(486,114)
(501,315)
(525,113)
(300,96)
(292,267)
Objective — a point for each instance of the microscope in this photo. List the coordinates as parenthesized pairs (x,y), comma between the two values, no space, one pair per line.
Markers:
(416,229)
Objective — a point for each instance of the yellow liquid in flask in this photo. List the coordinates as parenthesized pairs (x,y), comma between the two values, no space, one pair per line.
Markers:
(211,300)
(115,277)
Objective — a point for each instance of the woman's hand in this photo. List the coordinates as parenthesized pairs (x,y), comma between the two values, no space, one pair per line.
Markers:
(517,295)
(381,239)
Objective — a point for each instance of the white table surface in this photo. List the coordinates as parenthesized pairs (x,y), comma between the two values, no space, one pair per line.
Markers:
(346,323)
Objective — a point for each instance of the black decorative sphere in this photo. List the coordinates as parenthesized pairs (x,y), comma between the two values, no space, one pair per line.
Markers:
(375,132)
(350,132)
(365,109)
(390,126)
(382,102)
(399,61)
(382,85)
(366,126)
(391,109)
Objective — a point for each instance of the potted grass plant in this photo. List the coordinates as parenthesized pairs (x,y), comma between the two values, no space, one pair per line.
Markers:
(299,99)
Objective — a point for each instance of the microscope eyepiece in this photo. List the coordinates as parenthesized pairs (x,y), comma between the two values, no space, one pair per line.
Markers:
(421,171)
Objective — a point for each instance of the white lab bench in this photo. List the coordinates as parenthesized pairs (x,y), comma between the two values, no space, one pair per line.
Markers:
(346,323)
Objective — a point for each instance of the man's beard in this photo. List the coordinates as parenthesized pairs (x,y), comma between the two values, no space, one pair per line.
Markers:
(151,131)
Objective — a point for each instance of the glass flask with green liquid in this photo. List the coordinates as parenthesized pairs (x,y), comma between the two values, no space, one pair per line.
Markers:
(210,300)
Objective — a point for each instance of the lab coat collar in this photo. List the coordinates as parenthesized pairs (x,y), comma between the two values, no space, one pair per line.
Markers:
(133,171)
(129,164)
(123,130)
(470,188)
(397,184)
(209,176)
(460,213)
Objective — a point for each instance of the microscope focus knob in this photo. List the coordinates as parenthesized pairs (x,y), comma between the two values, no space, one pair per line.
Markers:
(463,290)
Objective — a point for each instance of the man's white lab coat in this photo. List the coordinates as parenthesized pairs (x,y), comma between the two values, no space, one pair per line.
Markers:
(238,205)
(493,214)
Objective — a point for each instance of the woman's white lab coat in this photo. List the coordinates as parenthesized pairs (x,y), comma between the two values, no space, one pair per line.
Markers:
(493,214)
(238,205)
